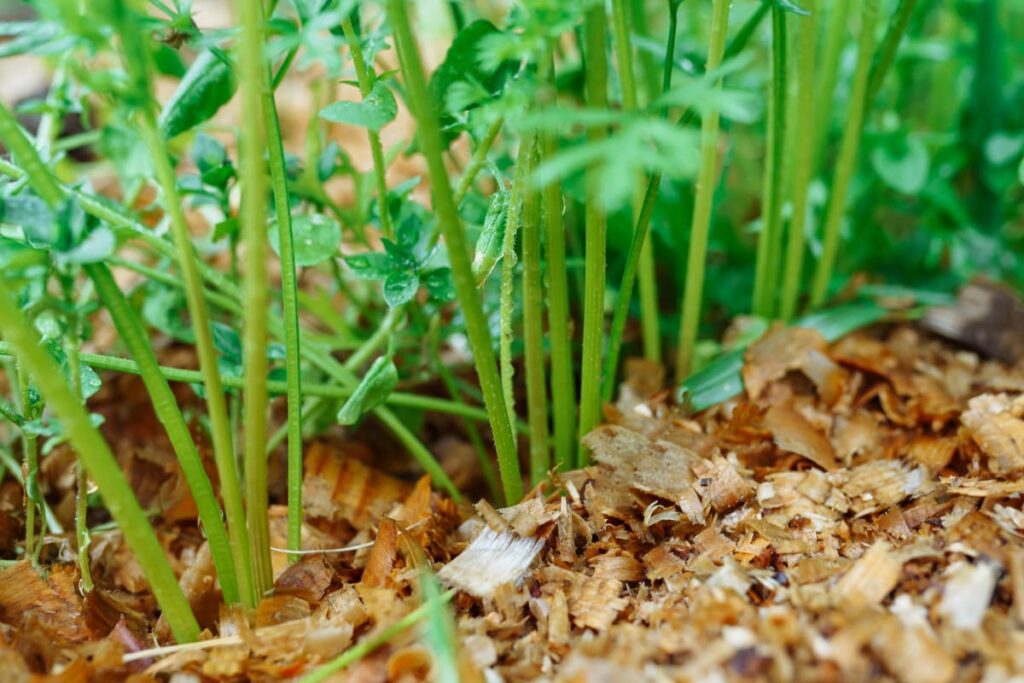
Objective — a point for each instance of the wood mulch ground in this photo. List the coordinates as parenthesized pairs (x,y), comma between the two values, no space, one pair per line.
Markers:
(855,515)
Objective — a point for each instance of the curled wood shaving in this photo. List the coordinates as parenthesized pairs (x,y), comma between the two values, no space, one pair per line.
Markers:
(490,561)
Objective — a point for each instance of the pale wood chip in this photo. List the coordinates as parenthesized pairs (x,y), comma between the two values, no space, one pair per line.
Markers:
(795,434)
(725,488)
(781,350)
(994,422)
(967,593)
(662,563)
(558,619)
(383,555)
(880,484)
(339,487)
(913,653)
(934,452)
(53,606)
(597,604)
(490,561)
(660,468)
(621,567)
(871,578)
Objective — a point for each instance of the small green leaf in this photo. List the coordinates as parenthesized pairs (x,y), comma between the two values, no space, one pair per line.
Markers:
(1002,147)
(212,160)
(902,164)
(439,285)
(400,287)
(371,265)
(33,215)
(315,239)
(377,110)
(97,245)
(492,237)
(207,86)
(378,383)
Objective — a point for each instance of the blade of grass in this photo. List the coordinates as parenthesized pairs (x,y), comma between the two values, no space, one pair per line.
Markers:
(640,232)
(30,445)
(253,220)
(595,227)
(648,285)
(846,164)
(94,451)
(768,243)
(429,136)
(803,157)
(828,73)
(890,43)
(139,66)
(533,328)
(508,264)
(690,317)
(563,392)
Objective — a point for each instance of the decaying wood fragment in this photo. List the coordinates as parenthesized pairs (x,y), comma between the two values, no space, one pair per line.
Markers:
(995,423)
(792,432)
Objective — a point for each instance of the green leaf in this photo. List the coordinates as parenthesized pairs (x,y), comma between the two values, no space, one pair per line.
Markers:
(207,86)
(212,160)
(1002,147)
(902,164)
(126,149)
(439,284)
(377,384)
(371,265)
(315,238)
(492,237)
(97,245)
(400,287)
(377,110)
(33,215)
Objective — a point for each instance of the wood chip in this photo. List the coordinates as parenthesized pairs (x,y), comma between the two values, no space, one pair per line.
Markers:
(994,422)
(490,561)
(795,434)
(871,578)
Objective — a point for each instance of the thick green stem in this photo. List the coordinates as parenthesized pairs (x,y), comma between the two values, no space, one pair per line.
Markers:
(828,73)
(533,328)
(165,406)
(366,80)
(706,181)
(595,226)
(30,446)
(768,243)
(563,391)
(429,135)
(253,219)
(803,158)
(846,164)
(95,453)
(640,232)
(506,304)
(648,284)
(890,43)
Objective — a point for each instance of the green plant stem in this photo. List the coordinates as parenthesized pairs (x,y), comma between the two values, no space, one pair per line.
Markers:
(846,163)
(444,205)
(690,317)
(887,51)
(30,445)
(477,161)
(563,385)
(640,232)
(216,404)
(366,80)
(766,268)
(371,643)
(165,406)
(506,305)
(253,219)
(648,284)
(803,158)
(533,328)
(828,73)
(290,310)
(595,226)
(95,453)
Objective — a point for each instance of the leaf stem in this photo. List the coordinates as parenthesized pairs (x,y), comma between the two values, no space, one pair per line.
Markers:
(451,226)
(692,298)
(846,163)
(595,226)
(477,161)
(366,79)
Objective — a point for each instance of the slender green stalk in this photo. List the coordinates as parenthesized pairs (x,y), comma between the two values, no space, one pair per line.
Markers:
(846,163)
(828,73)
(563,391)
(890,43)
(30,445)
(444,205)
(290,310)
(533,329)
(366,79)
(508,266)
(95,453)
(253,219)
(766,268)
(371,643)
(803,158)
(138,63)
(706,180)
(133,335)
(648,285)
(640,232)
(477,161)
(595,226)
